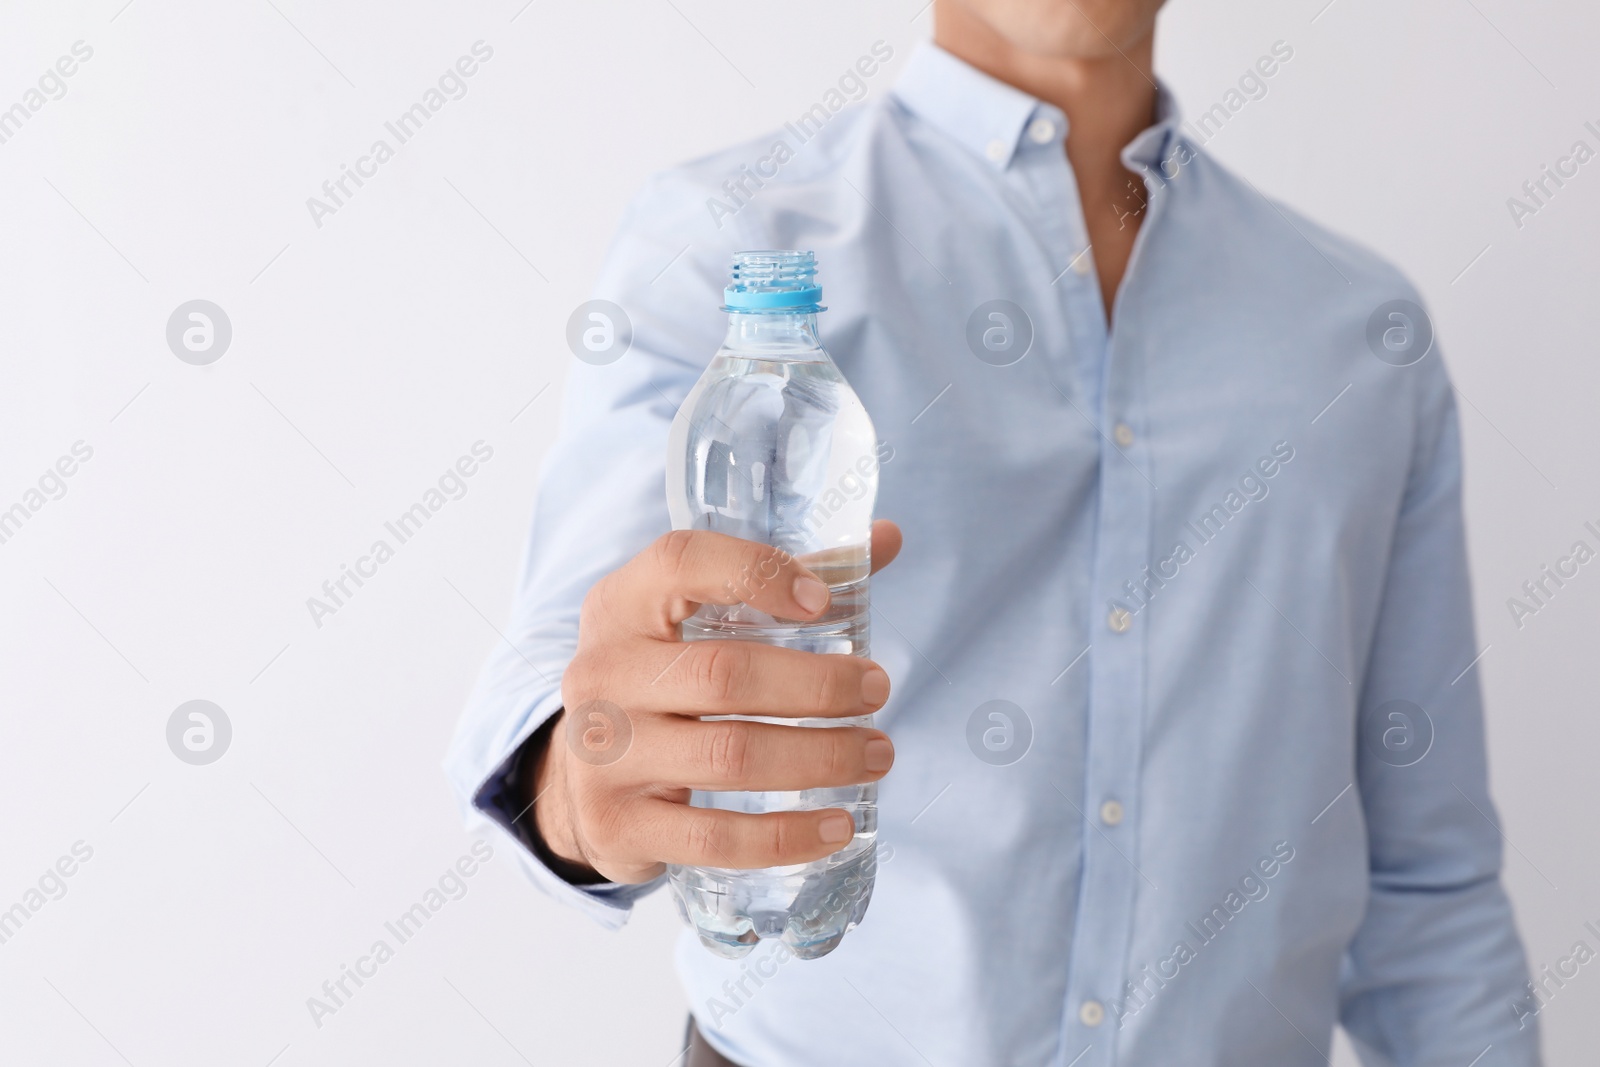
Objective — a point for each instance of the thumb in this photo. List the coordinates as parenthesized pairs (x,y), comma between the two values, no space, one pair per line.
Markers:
(886,541)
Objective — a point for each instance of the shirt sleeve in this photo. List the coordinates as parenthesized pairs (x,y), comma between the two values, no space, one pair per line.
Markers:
(601,497)
(1435,974)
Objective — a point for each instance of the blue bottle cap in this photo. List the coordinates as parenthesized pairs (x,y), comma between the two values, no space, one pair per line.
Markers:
(773,281)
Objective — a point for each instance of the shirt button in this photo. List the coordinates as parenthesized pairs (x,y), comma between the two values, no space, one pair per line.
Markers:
(1119,620)
(1123,434)
(1041,131)
(1111,813)
(1082,264)
(1092,1013)
(997,151)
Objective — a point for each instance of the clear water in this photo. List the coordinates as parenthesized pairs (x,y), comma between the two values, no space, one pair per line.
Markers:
(773,446)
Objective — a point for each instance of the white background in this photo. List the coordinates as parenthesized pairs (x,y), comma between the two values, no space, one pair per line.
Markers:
(369,354)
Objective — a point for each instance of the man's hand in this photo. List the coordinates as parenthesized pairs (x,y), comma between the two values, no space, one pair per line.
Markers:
(612,787)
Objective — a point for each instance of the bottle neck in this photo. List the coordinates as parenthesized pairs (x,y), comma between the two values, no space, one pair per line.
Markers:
(792,336)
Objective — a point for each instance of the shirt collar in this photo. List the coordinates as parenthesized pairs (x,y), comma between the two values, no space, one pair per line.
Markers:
(984,114)
(989,117)
(1150,149)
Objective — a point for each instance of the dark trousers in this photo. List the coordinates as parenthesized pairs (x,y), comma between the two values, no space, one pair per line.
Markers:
(702,1054)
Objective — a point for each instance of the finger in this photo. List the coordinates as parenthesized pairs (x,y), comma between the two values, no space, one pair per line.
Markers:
(725,677)
(732,754)
(667,582)
(705,837)
(886,541)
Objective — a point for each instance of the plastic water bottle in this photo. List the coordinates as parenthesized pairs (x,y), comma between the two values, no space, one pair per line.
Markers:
(772,446)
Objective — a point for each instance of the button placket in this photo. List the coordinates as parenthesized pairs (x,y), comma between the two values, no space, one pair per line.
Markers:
(1042,172)
(1111,879)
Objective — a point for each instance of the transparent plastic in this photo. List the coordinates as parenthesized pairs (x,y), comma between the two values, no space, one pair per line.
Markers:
(773,446)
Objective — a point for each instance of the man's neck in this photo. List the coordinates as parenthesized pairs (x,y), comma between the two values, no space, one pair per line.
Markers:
(1107,101)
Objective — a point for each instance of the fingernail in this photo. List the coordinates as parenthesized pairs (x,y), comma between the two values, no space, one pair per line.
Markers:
(879,755)
(810,594)
(836,828)
(874,688)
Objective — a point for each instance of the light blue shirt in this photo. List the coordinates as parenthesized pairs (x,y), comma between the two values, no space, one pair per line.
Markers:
(1211,561)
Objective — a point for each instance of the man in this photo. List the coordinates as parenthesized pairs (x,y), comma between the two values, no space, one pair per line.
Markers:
(1179,476)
